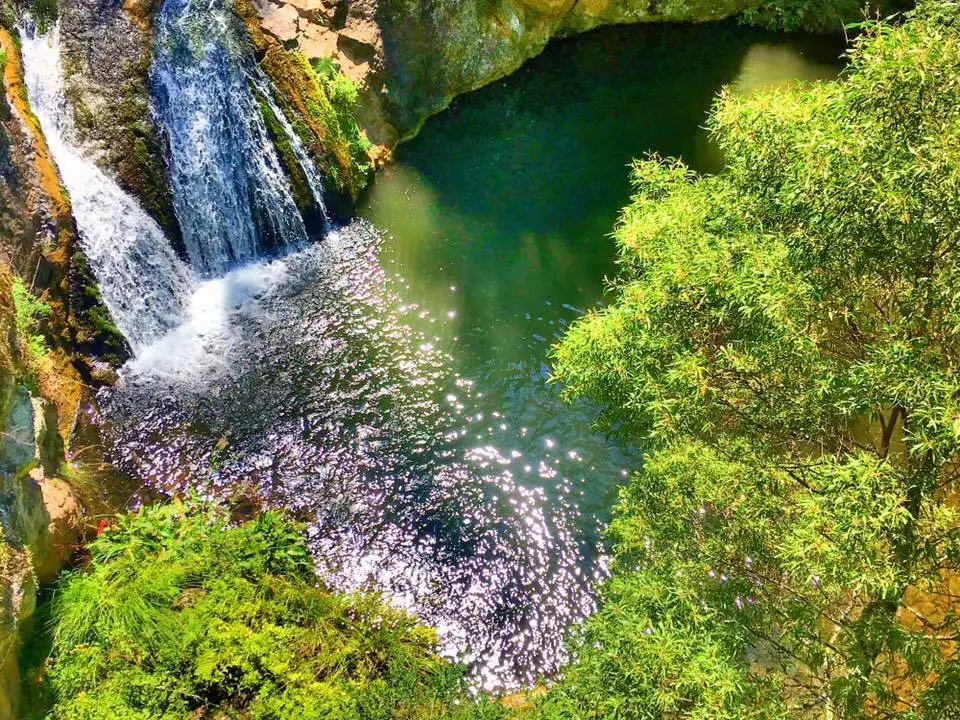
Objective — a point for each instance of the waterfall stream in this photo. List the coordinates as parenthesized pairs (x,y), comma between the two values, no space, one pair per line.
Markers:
(142,281)
(263,86)
(230,192)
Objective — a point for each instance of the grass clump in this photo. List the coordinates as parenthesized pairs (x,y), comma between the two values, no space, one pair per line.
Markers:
(182,614)
(30,311)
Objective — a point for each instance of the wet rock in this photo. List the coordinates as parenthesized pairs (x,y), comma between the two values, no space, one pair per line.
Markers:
(107,47)
(38,238)
(412,57)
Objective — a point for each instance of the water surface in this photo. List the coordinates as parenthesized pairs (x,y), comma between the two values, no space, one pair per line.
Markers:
(390,384)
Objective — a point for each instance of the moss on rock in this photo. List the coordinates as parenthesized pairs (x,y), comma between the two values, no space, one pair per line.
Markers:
(302,194)
(304,100)
(107,50)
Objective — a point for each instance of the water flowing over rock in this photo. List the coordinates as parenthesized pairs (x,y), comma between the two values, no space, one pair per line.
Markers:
(314,181)
(142,281)
(231,195)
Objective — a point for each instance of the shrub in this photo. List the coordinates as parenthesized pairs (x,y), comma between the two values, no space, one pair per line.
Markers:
(181,614)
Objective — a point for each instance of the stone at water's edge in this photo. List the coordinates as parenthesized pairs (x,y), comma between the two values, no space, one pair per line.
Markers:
(412,57)
(39,514)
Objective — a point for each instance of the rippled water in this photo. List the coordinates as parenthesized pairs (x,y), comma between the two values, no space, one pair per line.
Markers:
(390,383)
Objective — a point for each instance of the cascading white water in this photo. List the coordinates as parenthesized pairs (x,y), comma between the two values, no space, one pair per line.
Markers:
(263,86)
(143,283)
(231,195)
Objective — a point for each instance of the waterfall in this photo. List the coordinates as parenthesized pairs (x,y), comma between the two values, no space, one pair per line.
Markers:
(231,195)
(263,86)
(142,281)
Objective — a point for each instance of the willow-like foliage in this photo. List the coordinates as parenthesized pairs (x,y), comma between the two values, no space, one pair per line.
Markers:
(785,338)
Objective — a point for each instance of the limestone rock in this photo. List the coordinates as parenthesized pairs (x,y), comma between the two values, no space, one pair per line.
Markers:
(63,531)
(281,21)
(412,57)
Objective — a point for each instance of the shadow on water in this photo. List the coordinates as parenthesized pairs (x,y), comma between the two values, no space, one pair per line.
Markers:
(391,386)
(510,195)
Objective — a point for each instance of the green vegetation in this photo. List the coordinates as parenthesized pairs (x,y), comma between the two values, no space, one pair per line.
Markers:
(786,342)
(45,13)
(302,193)
(5,113)
(817,15)
(30,311)
(93,325)
(182,614)
(343,95)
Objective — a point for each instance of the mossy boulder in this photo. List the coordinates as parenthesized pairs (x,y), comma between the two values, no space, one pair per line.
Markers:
(439,49)
(308,106)
(106,51)
(412,57)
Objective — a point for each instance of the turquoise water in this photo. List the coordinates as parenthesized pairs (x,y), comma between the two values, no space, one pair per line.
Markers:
(390,385)
(511,194)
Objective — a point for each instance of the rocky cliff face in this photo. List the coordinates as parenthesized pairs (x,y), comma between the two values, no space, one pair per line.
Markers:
(408,58)
(39,513)
(412,57)
(42,394)
(38,238)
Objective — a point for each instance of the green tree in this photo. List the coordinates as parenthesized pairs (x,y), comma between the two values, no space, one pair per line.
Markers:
(786,341)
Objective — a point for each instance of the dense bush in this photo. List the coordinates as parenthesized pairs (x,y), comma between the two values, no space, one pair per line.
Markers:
(818,15)
(180,614)
(786,341)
